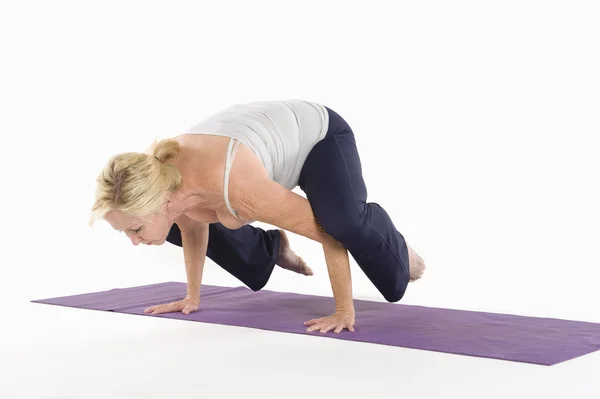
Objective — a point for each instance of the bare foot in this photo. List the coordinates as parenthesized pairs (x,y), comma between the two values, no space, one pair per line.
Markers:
(416,265)
(289,260)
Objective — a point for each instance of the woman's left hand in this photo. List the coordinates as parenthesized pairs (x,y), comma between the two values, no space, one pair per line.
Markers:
(185,306)
(337,322)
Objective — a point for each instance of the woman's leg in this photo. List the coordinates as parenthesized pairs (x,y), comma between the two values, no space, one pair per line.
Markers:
(332,180)
(248,253)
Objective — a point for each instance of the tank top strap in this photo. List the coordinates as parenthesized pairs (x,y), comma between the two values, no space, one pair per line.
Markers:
(231,149)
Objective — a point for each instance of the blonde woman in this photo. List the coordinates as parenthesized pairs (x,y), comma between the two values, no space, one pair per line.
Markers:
(201,190)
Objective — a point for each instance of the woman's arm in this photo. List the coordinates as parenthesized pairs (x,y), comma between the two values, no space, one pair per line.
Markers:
(338,267)
(194,238)
(267,201)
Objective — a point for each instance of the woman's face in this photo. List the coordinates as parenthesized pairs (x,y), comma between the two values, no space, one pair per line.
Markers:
(149,230)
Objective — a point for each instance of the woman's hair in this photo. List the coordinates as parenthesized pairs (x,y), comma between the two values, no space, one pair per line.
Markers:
(135,183)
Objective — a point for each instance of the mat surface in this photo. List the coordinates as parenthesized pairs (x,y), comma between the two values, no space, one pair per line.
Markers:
(534,340)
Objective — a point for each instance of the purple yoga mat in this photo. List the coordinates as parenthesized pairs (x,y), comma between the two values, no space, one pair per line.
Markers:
(535,340)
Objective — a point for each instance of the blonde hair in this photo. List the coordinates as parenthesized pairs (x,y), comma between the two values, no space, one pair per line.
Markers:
(135,183)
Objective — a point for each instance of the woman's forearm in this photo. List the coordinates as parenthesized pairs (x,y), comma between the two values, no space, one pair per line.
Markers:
(195,243)
(338,267)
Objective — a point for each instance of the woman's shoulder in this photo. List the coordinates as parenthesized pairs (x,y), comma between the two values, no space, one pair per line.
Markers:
(202,161)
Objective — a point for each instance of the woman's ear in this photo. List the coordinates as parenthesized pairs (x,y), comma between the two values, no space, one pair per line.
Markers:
(167,201)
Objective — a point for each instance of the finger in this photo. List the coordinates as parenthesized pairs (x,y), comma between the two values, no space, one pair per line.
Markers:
(189,309)
(314,327)
(327,328)
(351,328)
(167,308)
(311,322)
(339,329)
(154,308)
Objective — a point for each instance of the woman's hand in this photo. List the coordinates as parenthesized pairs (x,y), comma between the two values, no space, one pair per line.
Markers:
(186,306)
(338,321)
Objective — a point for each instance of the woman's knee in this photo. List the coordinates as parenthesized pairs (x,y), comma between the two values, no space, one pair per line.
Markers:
(347,228)
(256,285)
(395,294)
(386,274)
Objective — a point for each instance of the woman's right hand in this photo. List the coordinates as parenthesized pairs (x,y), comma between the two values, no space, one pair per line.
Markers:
(186,306)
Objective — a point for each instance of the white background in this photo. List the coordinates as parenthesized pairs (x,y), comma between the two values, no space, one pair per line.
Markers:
(477,125)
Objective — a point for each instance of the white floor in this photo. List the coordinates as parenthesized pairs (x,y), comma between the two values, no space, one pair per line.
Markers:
(72,353)
(57,352)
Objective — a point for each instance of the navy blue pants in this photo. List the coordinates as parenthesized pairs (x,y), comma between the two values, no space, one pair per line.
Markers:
(332,180)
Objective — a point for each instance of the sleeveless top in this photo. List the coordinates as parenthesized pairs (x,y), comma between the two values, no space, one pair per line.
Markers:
(280,133)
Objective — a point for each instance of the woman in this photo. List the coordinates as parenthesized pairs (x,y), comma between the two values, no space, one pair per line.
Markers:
(191,193)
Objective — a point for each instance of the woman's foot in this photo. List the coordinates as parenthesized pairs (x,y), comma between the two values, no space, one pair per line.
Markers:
(416,265)
(289,260)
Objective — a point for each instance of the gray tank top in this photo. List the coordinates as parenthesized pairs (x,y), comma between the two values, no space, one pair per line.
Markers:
(280,133)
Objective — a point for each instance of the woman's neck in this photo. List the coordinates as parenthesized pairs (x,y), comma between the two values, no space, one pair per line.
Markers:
(185,200)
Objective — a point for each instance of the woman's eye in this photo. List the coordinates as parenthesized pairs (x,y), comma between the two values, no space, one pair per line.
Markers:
(137,230)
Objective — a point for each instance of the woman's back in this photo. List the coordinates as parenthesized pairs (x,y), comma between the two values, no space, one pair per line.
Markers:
(280,133)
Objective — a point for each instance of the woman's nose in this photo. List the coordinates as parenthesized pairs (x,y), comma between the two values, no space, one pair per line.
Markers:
(135,240)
